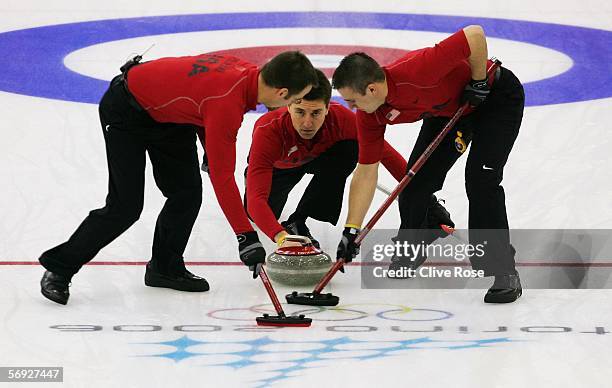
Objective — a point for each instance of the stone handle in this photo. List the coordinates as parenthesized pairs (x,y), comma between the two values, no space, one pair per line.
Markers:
(301,239)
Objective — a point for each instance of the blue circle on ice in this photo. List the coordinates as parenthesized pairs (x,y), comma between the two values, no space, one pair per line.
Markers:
(32,59)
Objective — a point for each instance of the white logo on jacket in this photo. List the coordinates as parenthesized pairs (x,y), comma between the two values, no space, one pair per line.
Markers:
(292,150)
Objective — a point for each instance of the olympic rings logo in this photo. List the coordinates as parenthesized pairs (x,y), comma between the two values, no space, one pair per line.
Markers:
(342,313)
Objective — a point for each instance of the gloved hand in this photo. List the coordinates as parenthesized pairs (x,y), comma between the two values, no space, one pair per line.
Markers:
(475,92)
(252,252)
(435,216)
(347,249)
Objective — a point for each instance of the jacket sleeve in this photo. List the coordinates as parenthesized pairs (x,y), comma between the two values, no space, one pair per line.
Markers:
(371,137)
(265,150)
(221,128)
(394,162)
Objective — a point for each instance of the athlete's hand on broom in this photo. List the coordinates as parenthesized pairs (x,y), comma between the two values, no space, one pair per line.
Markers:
(252,253)
(475,92)
(438,222)
(347,249)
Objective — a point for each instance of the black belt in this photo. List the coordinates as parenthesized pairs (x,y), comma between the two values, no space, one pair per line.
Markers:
(497,74)
(130,98)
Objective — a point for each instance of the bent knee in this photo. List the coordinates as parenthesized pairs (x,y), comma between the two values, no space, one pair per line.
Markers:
(482,179)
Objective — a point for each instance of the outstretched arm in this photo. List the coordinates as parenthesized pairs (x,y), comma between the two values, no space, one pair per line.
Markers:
(478,51)
(363,186)
(221,131)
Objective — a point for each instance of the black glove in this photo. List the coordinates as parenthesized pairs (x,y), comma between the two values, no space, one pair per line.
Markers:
(347,249)
(252,252)
(475,92)
(435,216)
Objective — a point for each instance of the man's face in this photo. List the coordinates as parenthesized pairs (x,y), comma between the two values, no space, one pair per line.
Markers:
(308,117)
(280,97)
(368,102)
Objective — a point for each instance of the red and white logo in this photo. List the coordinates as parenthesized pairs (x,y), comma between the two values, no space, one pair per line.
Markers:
(392,115)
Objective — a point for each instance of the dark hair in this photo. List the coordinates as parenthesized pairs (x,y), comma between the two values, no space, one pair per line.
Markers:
(357,71)
(291,70)
(321,92)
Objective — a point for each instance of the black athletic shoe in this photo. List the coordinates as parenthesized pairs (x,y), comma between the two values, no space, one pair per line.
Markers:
(404,268)
(55,287)
(299,227)
(183,282)
(505,289)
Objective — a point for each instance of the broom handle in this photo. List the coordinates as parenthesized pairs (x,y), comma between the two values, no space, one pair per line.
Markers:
(266,282)
(330,274)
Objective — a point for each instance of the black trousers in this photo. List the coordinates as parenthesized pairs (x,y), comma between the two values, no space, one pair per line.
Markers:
(130,133)
(492,130)
(322,199)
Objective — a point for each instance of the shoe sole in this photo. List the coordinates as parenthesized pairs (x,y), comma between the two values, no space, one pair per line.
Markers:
(162,284)
(53,297)
(502,299)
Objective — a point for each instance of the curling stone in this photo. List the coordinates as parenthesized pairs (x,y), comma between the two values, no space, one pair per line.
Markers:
(302,265)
